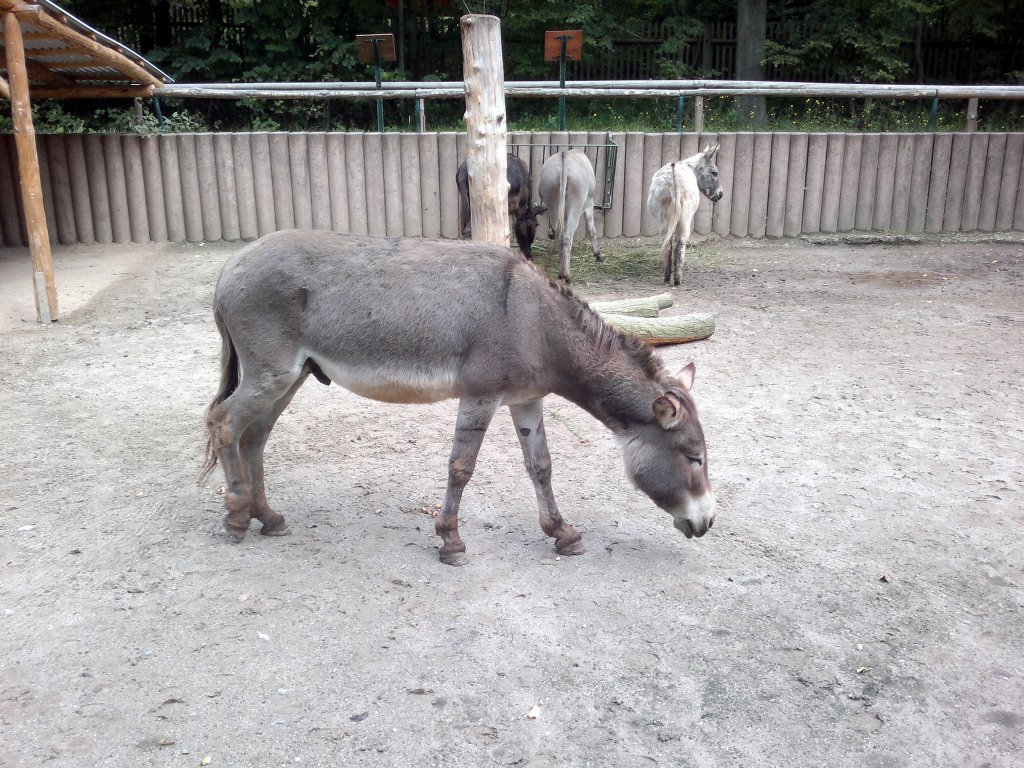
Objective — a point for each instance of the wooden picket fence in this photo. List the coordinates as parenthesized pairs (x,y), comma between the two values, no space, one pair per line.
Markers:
(238,186)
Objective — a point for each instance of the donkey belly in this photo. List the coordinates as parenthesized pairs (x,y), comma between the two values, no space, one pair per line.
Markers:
(391,382)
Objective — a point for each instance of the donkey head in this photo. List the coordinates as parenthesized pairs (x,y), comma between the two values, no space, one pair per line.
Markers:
(525,228)
(707,174)
(667,458)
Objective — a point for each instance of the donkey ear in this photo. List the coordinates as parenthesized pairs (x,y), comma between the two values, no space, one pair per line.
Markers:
(686,376)
(666,410)
(711,149)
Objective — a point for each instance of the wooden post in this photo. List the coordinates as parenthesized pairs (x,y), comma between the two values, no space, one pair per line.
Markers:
(698,114)
(28,168)
(486,159)
(972,115)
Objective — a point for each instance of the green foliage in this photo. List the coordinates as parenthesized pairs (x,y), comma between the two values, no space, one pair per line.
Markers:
(51,117)
(680,32)
(314,40)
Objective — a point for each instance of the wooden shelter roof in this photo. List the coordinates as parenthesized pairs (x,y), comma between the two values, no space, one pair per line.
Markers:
(45,52)
(66,58)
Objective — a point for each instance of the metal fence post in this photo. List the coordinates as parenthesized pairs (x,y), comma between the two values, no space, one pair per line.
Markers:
(380,102)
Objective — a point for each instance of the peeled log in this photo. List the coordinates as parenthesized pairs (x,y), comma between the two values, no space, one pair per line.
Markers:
(664,330)
(646,307)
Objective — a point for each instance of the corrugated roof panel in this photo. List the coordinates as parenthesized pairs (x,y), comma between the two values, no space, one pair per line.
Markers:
(44,50)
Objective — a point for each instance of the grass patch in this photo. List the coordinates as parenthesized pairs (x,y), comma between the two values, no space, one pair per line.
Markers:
(631,261)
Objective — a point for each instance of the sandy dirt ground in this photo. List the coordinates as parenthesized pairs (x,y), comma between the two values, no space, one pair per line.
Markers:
(859,602)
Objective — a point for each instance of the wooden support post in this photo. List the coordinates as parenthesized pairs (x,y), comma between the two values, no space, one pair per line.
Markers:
(486,150)
(698,114)
(45,288)
(972,115)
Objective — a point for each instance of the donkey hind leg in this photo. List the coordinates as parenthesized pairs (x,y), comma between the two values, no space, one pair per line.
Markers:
(228,422)
(529,422)
(667,256)
(572,221)
(679,260)
(254,440)
(471,424)
(588,214)
(682,235)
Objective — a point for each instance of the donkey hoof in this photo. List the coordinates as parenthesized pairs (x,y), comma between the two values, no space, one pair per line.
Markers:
(454,558)
(570,548)
(236,531)
(273,524)
(278,529)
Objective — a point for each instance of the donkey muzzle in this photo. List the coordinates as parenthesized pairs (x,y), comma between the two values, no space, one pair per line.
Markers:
(690,530)
(697,517)
(715,196)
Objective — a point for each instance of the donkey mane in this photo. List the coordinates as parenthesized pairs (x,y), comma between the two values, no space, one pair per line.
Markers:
(606,338)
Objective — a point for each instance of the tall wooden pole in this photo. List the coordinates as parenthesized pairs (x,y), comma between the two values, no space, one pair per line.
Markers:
(28,169)
(486,160)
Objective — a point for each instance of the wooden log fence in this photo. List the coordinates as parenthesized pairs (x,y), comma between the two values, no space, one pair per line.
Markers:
(202,187)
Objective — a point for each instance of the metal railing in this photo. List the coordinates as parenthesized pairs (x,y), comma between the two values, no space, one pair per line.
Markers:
(632,89)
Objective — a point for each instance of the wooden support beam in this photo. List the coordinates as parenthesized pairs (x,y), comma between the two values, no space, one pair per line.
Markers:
(28,169)
(59,53)
(46,75)
(40,72)
(486,159)
(99,53)
(93,92)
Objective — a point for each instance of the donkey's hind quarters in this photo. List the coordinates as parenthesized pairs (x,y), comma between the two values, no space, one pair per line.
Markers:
(294,304)
(673,198)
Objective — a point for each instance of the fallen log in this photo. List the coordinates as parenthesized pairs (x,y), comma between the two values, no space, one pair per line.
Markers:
(664,330)
(645,307)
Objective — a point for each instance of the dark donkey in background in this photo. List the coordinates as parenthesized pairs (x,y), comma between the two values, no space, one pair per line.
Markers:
(520,203)
(440,319)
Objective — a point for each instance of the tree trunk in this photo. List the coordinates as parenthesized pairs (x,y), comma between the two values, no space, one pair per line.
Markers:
(646,307)
(664,330)
(162,35)
(751,29)
(486,160)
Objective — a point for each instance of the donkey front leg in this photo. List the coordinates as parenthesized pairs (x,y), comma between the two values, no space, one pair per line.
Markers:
(529,421)
(474,417)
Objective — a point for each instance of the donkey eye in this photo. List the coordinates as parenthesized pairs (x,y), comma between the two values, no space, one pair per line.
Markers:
(695,460)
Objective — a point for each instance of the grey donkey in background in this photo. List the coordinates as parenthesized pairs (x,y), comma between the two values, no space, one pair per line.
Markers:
(566,187)
(673,198)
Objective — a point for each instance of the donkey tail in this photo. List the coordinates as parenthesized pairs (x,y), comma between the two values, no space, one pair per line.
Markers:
(229,379)
(562,184)
(675,218)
